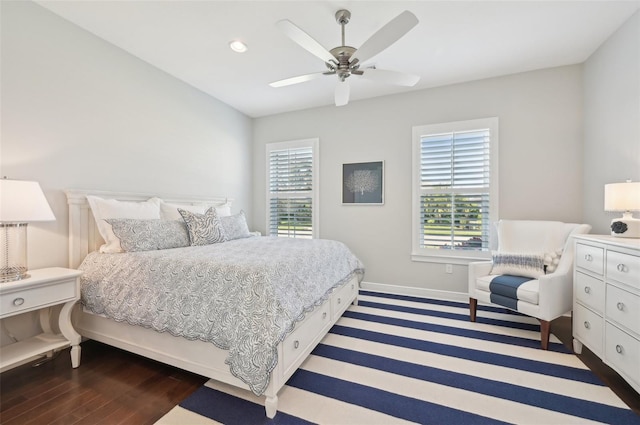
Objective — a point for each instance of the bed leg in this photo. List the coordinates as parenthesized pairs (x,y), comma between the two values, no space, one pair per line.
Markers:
(355,301)
(271,406)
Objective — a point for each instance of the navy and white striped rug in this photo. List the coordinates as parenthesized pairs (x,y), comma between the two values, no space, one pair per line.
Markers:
(399,359)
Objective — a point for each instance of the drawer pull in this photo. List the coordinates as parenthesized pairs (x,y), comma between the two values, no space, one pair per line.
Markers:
(619,349)
(622,268)
(296,344)
(587,325)
(18,302)
(587,290)
(620,306)
(588,257)
(324,315)
(339,300)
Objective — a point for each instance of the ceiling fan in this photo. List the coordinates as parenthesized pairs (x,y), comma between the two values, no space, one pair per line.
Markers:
(345,61)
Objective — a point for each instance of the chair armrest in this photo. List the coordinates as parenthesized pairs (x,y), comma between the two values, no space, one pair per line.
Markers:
(477,269)
(555,294)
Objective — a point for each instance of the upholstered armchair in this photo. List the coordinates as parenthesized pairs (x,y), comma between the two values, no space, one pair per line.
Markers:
(531,272)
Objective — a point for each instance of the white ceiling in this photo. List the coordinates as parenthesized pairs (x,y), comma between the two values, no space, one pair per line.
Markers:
(455,41)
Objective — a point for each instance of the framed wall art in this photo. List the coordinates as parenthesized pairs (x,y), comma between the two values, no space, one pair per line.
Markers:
(363,183)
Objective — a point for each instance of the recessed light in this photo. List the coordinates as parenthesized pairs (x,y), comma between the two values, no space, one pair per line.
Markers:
(238,46)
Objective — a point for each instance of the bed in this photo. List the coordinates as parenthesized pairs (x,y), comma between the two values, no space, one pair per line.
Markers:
(184,349)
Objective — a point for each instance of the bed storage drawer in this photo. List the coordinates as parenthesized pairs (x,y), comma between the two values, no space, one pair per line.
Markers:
(341,298)
(297,343)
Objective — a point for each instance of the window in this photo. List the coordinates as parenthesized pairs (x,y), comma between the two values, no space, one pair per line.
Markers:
(292,189)
(455,192)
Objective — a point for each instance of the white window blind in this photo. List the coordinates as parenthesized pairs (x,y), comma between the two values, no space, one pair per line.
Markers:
(453,188)
(292,188)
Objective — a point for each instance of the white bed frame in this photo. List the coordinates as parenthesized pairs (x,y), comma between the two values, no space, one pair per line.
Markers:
(195,356)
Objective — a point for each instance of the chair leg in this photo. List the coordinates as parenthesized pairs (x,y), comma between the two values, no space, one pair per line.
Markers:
(545,330)
(473,305)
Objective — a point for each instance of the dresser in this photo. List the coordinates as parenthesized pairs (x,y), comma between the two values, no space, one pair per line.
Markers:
(606,302)
(44,288)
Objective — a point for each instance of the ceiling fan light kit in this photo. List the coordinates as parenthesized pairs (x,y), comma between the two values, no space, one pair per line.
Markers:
(345,61)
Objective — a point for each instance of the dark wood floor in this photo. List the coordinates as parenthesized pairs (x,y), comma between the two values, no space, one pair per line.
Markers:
(114,387)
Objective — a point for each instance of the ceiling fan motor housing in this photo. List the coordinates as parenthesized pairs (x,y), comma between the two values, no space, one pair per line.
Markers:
(343,55)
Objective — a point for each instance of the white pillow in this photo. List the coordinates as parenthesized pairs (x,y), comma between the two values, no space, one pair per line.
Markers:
(111,208)
(169,211)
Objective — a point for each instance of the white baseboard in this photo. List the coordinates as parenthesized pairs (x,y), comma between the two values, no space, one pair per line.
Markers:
(416,292)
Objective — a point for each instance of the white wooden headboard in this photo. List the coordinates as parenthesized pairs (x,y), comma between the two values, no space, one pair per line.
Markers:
(83,232)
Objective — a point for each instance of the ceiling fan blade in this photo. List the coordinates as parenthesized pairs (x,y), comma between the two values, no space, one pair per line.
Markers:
(342,93)
(296,80)
(305,40)
(391,77)
(386,36)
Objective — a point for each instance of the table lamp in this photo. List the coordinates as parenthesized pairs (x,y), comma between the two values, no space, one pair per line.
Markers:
(21,202)
(623,197)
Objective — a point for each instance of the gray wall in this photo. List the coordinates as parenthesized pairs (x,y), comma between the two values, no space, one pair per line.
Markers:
(540,168)
(78,112)
(611,120)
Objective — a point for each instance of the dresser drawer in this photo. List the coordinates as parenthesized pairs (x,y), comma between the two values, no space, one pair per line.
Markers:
(34,298)
(624,308)
(623,268)
(589,328)
(297,343)
(590,291)
(590,258)
(622,352)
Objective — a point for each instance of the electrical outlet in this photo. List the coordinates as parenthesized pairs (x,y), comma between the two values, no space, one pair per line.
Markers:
(448,268)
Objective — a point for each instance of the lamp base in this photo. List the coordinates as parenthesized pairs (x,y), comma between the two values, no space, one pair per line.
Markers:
(13,251)
(13,274)
(625,226)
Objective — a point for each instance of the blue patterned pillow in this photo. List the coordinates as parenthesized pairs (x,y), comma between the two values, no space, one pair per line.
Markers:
(204,229)
(149,235)
(235,226)
(518,264)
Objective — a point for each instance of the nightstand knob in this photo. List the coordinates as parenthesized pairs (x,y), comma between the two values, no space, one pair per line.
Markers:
(620,306)
(587,325)
(619,348)
(587,290)
(18,302)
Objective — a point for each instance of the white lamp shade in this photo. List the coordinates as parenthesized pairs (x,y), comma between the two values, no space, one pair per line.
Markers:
(622,196)
(23,202)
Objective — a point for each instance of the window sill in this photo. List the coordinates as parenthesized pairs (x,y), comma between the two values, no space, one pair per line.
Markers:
(450,259)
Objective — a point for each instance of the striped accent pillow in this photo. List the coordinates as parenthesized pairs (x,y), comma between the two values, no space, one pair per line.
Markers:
(518,264)
(204,229)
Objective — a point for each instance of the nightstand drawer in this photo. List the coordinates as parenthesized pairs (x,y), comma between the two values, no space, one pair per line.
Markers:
(590,291)
(34,298)
(624,308)
(623,268)
(590,258)
(589,328)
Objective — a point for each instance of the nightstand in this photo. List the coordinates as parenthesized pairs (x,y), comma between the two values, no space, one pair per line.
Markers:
(45,288)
